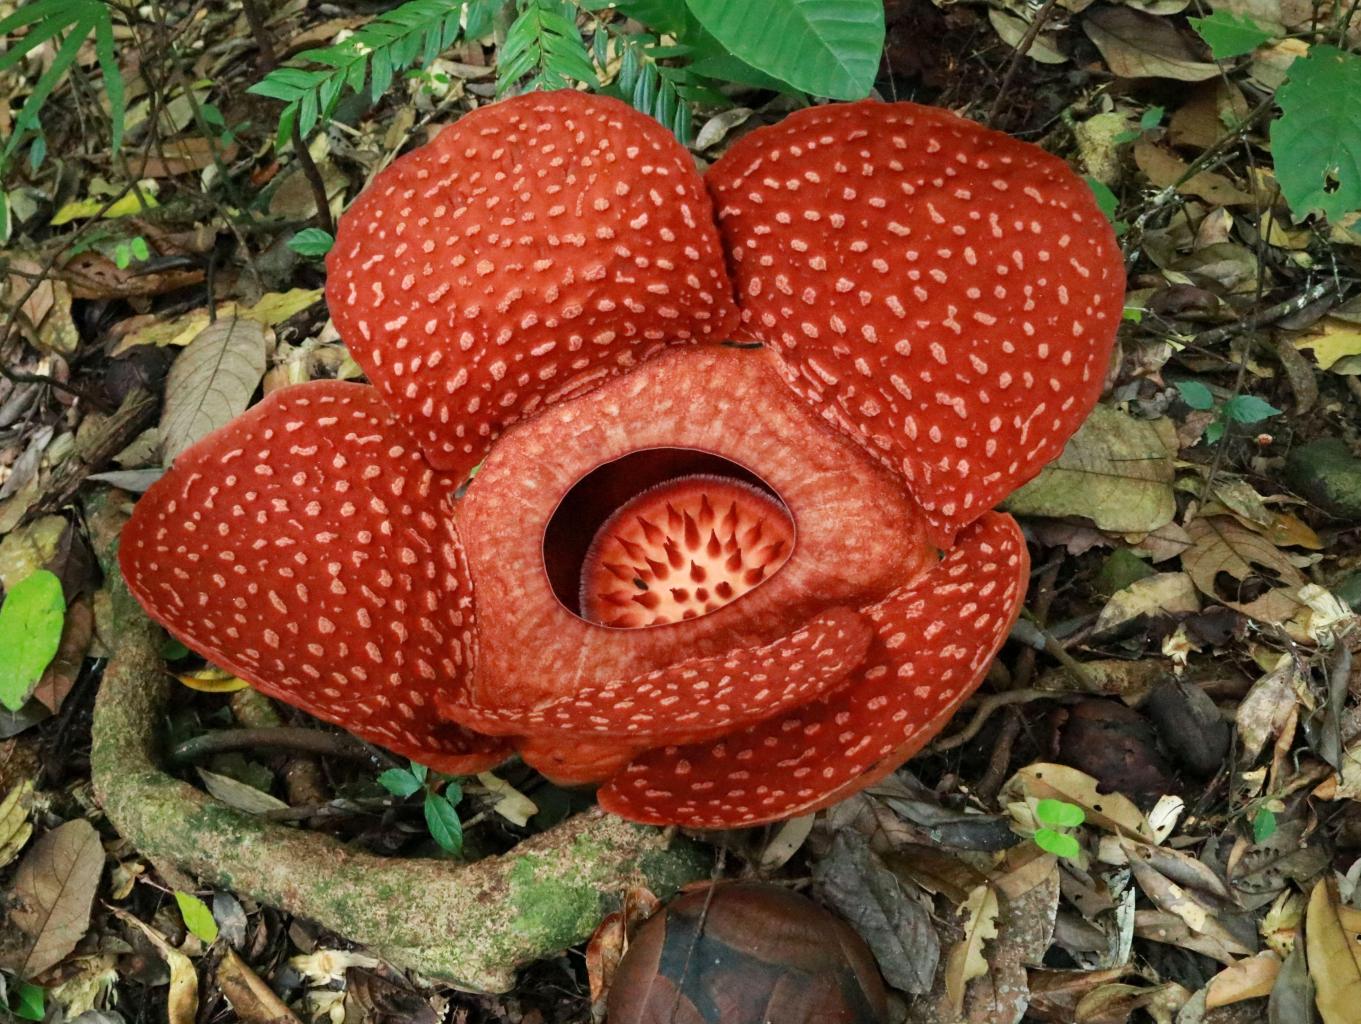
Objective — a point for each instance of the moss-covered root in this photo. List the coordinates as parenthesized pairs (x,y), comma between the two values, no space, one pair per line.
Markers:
(471,925)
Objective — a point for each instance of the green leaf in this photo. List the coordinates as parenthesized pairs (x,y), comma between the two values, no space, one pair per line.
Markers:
(1249,409)
(311,242)
(1195,394)
(140,249)
(420,771)
(1230,35)
(1060,844)
(1105,198)
(197,917)
(1152,117)
(442,820)
(1060,813)
(399,782)
(32,1002)
(30,630)
(824,47)
(5,225)
(659,15)
(1263,825)
(1316,141)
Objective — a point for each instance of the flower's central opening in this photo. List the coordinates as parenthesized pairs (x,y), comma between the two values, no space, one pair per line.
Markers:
(680,534)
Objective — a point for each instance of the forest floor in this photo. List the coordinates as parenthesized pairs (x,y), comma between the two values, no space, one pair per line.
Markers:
(1185,672)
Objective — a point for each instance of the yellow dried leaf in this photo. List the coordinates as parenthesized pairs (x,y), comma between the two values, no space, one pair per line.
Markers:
(1336,345)
(212,680)
(1332,935)
(966,960)
(1110,811)
(182,1002)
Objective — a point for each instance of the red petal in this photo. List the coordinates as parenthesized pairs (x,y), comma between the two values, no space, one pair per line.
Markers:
(701,697)
(534,248)
(309,549)
(935,638)
(946,294)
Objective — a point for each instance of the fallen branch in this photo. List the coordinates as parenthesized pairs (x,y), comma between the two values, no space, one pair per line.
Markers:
(468,924)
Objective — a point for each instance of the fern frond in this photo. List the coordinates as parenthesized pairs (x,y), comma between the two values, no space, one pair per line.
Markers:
(411,35)
(544,45)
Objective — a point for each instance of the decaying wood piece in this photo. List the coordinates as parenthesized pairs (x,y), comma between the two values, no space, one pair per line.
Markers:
(468,924)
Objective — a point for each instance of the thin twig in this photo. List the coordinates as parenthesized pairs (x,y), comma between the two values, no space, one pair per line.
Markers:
(1022,48)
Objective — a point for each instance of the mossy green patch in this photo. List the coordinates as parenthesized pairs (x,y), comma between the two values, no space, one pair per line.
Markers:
(549,909)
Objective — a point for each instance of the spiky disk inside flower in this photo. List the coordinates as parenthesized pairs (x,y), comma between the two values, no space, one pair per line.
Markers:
(682,549)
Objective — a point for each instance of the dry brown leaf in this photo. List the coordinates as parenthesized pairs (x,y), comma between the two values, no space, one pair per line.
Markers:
(1204,119)
(211,381)
(1222,546)
(253,1000)
(1164,169)
(182,1001)
(1247,979)
(184,155)
(61,673)
(1332,933)
(1267,707)
(15,828)
(1139,45)
(966,960)
(54,887)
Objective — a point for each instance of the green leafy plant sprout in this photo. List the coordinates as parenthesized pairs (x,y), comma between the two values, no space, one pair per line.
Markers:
(1263,825)
(68,24)
(132,249)
(411,35)
(544,45)
(29,1001)
(1237,409)
(31,621)
(441,797)
(1056,819)
(1149,120)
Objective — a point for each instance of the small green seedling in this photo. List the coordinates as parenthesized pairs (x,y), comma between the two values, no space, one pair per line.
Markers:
(1056,817)
(133,249)
(1263,825)
(1151,118)
(1238,409)
(441,802)
(312,242)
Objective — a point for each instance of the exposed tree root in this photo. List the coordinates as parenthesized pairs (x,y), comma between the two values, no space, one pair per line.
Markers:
(468,924)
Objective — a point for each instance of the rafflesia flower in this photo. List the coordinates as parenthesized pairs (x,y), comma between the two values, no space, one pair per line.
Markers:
(732,583)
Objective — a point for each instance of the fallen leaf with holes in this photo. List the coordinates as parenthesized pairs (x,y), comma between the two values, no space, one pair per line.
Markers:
(1110,811)
(1170,594)
(93,276)
(53,890)
(966,960)
(1332,933)
(1244,571)
(1116,471)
